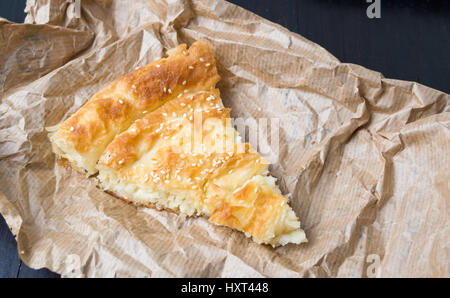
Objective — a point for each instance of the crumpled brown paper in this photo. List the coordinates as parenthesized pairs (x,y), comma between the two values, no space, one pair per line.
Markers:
(365,158)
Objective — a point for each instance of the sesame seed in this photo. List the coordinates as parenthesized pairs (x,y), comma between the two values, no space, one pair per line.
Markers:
(182,104)
(157,65)
(166,137)
(72,128)
(164,114)
(198,178)
(191,67)
(184,83)
(186,91)
(179,95)
(165,89)
(121,101)
(169,90)
(230,171)
(186,53)
(201,59)
(166,181)
(194,186)
(173,114)
(121,161)
(144,112)
(190,118)
(207,64)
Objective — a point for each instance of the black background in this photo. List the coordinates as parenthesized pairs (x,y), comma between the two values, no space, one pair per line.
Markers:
(411,41)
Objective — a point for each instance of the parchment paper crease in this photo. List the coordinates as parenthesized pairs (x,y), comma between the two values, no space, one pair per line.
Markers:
(365,158)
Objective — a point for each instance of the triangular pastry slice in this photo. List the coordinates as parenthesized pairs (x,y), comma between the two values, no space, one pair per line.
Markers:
(186,156)
(83,137)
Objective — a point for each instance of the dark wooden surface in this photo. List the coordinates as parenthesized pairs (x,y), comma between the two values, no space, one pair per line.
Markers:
(411,41)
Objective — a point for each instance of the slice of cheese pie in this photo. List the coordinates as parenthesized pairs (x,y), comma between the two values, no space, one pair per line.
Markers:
(83,137)
(160,137)
(186,156)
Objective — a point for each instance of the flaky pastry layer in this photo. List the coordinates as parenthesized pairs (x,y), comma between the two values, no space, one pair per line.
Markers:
(83,137)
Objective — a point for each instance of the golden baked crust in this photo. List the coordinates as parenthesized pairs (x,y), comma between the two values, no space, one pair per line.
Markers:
(186,156)
(161,137)
(82,138)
